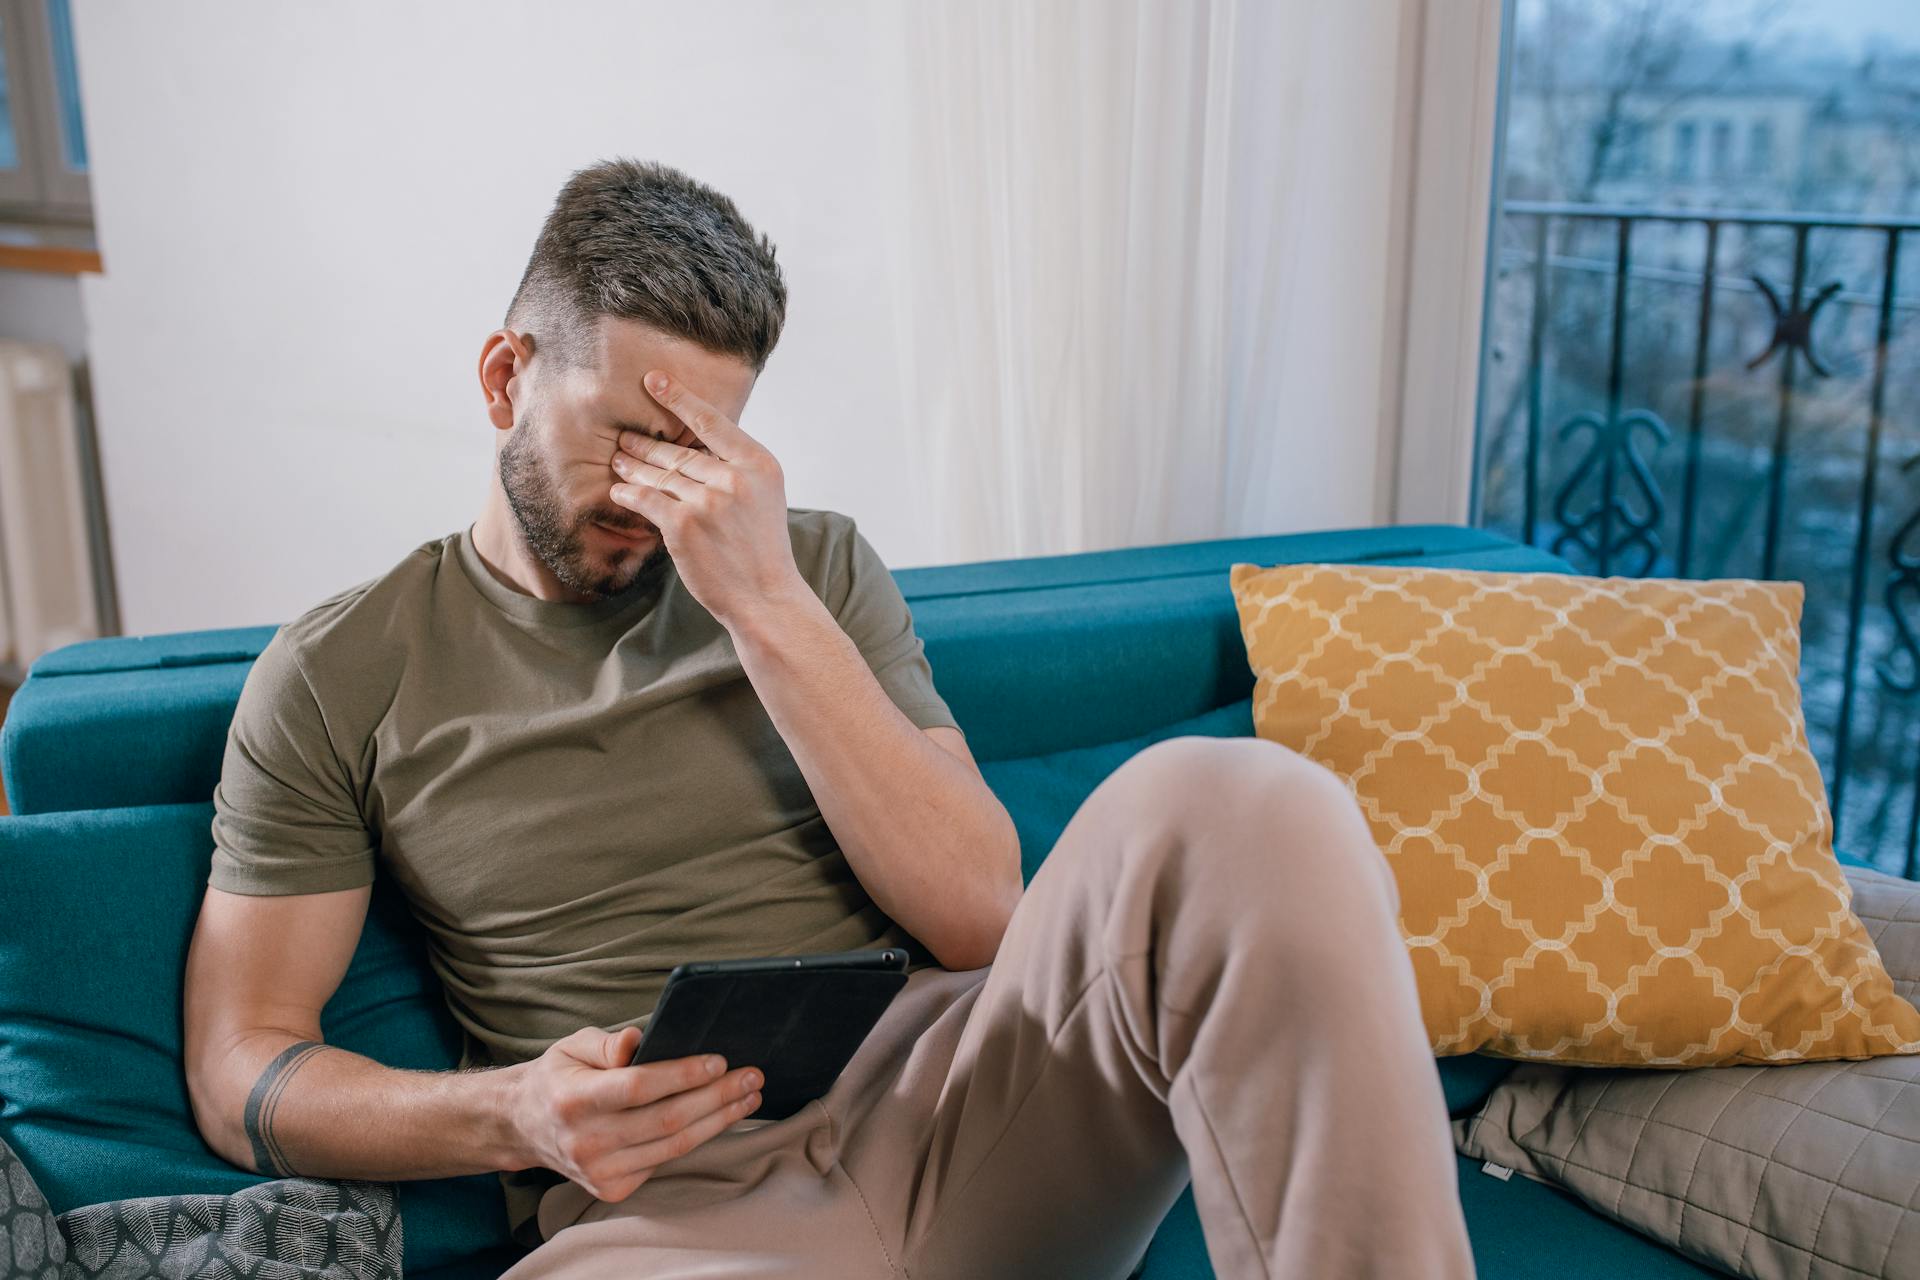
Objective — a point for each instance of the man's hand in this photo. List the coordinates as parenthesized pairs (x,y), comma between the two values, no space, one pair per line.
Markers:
(721,508)
(581,1110)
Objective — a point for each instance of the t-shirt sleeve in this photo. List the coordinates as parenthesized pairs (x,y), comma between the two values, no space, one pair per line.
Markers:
(285,819)
(869,607)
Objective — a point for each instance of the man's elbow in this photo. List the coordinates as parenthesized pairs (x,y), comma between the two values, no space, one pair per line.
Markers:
(215,1064)
(975,951)
(214,1115)
(976,946)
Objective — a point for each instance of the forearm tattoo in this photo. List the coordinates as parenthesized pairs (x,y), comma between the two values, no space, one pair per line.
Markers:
(264,1101)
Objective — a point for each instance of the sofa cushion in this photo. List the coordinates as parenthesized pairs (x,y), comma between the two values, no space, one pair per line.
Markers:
(1520,1230)
(70,742)
(289,1229)
(87,708)
(92,1095)
(1523,1230)
(1810,1169)
(1596,794)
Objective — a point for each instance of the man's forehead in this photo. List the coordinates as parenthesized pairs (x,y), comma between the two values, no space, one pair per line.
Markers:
(625,405)
(625,350)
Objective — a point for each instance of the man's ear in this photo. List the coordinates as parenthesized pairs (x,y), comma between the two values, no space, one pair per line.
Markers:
(504,358)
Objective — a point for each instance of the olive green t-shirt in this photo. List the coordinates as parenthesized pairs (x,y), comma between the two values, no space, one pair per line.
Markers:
(573,798)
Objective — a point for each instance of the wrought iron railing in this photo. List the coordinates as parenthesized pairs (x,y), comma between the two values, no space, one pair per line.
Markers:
(1604,504)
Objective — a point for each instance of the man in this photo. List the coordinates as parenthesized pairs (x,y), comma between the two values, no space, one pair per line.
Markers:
(642,712)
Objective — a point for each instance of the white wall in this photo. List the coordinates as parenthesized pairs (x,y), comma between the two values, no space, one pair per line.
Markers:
(312,214)
(36,306)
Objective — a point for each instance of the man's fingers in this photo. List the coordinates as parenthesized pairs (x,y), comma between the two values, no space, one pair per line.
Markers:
(637,446)
(655,504)
(597,1047)
(678,1110)
(642,1103)
(646,1082)
(717,431)
(650,475)
(657,1151)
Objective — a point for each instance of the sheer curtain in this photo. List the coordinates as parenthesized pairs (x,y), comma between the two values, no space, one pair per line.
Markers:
(1137,246)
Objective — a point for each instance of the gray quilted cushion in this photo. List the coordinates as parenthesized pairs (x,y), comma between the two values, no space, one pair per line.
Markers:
(1778,1173)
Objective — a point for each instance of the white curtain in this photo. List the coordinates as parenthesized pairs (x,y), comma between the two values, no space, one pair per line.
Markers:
(1141,240)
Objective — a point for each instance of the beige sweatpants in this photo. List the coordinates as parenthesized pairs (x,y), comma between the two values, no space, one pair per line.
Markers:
(1203,980)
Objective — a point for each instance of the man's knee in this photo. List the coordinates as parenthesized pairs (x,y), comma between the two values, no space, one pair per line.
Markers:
(1246,851)
(1260,816)
(1250,781)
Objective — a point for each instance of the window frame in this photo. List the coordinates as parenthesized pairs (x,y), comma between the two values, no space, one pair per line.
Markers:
(42,189)
(1429,429)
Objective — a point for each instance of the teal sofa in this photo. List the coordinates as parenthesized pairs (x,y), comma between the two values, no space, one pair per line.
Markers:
(1058,667)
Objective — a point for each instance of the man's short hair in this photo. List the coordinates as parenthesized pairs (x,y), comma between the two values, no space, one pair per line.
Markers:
(643,241)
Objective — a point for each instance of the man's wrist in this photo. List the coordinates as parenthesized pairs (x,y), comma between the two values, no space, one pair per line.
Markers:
(777,618)
(493,1094)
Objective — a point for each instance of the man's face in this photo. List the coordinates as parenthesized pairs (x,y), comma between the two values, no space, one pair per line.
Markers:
(556,462)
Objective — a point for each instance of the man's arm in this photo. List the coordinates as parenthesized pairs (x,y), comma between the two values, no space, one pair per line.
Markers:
(928,839)
(270,1095)
(931,843)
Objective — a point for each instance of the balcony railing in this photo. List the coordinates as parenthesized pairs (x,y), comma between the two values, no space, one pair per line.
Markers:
(1764,477)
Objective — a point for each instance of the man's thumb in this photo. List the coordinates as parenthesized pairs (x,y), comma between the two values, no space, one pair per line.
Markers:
(616,1050)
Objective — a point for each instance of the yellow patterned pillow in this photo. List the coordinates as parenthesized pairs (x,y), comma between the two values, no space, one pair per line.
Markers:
(1597,796)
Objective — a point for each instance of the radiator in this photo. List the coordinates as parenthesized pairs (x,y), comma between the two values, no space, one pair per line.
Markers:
(48,593)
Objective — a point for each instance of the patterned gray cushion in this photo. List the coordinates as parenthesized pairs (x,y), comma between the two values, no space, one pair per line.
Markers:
(286,1229)
(1805,1171)
(31,1247)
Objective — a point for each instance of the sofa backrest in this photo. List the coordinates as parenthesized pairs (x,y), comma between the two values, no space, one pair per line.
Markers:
(1035,656)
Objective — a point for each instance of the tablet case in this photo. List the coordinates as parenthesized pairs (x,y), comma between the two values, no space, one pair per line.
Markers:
(799,1026)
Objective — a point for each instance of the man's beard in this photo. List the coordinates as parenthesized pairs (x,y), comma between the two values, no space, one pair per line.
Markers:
(558,539)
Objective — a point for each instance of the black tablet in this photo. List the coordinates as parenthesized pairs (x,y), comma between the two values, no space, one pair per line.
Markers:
(797,1018)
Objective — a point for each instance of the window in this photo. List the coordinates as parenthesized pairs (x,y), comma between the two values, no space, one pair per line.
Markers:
(9,148)
(1686,141)
(43,144)
(1722,154)
(1633,146)
(1760,148)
